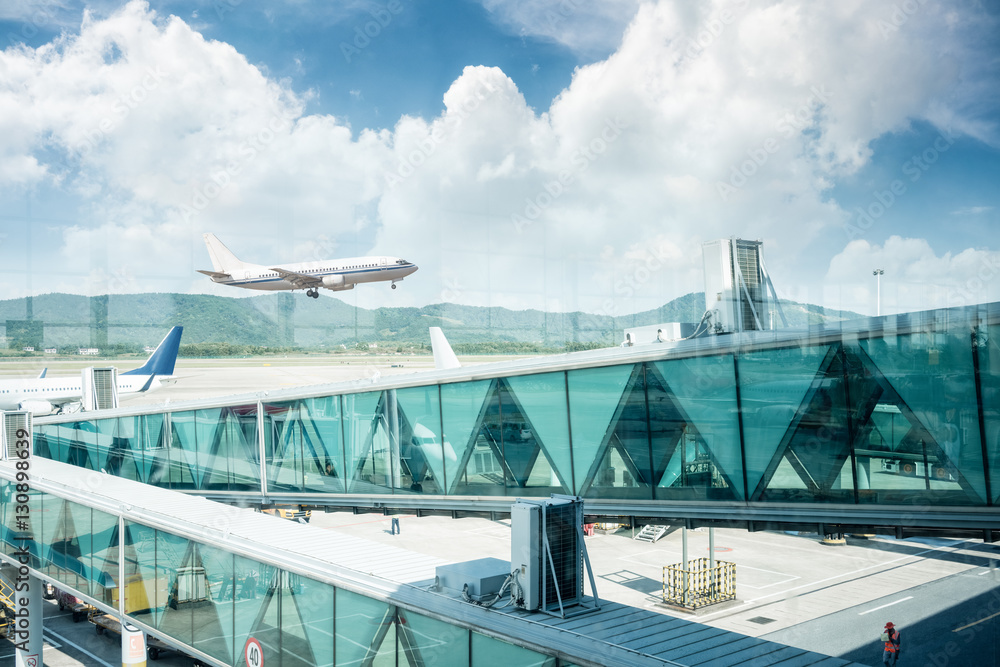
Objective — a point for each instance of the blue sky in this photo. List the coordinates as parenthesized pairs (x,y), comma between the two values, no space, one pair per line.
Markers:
(557,155)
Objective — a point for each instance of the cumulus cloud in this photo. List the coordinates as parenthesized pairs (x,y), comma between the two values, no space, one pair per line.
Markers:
(707,120)
(915,278)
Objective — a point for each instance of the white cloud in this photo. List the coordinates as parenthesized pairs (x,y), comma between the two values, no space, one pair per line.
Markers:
(588,28)
(707,121)
(915,277)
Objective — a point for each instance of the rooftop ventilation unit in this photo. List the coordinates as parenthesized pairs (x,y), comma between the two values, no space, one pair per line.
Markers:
(548,555)
(738,290)
(100,388)
(12,422)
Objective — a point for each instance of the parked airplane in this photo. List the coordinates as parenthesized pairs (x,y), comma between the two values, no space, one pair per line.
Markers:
(331,274)
(42,395)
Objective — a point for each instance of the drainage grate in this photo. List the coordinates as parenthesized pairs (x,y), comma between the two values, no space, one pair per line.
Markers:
(762,620)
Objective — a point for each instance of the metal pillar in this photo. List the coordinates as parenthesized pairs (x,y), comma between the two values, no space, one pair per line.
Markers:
(27,638)
(392,415)
(684,563)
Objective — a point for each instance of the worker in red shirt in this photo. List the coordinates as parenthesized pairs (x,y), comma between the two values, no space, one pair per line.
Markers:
(890,637)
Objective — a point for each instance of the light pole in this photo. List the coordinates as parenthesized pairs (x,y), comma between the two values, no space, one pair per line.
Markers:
(878,290)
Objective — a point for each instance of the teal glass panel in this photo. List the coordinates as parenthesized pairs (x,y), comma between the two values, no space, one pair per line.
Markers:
(284,447)
(156,456)
(210,592)
(183,451)
(145,586)
(79,522)
(362,626)
(106,441)
(594,398)
(774,384)
(360,421)
(125,458)
(427,641)
(232,459)
(622,467)
(483,470)
(709,457)
(255,607)
(70,562)
(932,373)
(313,604)
(377,466)
(46,511)
(461,413)
(82,444)
(988,353)
(542,399)
(104,572)
(489,652)
(816,464)
(173,608)
(208,430)
(423,450)
(323,464)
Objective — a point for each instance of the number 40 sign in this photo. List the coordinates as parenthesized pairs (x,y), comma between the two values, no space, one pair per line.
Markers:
(253,653)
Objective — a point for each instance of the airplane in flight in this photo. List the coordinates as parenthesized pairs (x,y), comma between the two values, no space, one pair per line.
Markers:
(42,395)
(332,274)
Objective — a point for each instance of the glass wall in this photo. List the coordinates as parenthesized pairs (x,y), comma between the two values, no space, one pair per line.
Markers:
(891,416)
(216,601)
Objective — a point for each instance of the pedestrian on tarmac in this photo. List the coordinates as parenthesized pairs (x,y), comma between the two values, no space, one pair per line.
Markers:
(890,638)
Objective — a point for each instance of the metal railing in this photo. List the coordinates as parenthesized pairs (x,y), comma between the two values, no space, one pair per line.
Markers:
(700,584)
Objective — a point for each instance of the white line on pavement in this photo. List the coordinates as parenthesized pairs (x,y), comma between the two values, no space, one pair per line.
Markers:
(862,613)
(80,649)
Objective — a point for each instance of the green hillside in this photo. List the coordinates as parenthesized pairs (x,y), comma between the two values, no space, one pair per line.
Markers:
(286,319)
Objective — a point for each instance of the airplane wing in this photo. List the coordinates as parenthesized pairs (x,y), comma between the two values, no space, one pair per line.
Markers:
(214,274)
(300,280)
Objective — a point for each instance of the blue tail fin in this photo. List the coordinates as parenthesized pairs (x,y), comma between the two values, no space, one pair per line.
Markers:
(161,362)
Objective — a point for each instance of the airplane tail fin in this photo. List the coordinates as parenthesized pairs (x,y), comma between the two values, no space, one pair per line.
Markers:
(161,361)
(223,260)
(444,356)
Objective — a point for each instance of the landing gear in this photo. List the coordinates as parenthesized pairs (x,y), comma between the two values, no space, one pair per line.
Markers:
(394,286)
(313,293)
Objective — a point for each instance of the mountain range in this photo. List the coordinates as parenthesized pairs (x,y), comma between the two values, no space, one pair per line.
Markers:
(287,319)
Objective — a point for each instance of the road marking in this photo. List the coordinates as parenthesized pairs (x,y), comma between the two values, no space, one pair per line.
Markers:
(80,649)
(975,622)
(836,576)
(862,613)
(791,577)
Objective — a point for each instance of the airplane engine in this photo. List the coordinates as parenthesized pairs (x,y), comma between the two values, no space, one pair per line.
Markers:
(37,407)
(336,283)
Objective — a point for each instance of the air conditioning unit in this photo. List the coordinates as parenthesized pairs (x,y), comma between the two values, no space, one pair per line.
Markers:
(100,388)
(738,289)
(548,555)
(12,422)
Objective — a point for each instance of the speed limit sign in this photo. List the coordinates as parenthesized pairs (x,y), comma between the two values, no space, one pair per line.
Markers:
(253,653)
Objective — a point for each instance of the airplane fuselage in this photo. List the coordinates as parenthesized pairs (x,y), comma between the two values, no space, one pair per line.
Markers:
(338,274)
(58,390)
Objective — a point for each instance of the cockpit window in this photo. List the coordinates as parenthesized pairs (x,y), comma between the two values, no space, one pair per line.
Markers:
(401,261)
